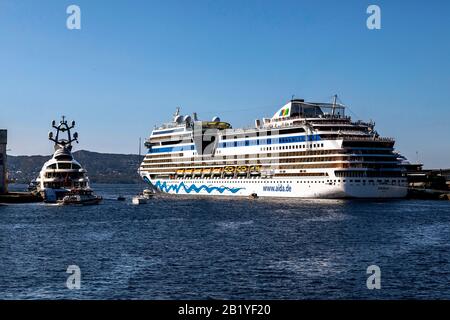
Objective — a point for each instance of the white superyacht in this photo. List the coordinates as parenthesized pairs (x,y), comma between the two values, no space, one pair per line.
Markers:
(62,179)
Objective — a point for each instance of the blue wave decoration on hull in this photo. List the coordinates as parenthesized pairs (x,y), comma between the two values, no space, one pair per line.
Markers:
(163,186)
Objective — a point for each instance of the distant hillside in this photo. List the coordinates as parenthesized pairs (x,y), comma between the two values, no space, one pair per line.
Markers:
(101,167)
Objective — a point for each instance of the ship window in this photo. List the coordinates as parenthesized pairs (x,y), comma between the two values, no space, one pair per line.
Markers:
(52,166)
(64,165)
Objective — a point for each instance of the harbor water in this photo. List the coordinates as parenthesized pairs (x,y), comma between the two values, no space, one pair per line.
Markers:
(225,248)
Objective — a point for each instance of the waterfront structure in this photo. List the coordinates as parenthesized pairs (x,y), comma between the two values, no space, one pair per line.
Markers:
(305,150)
(3,172)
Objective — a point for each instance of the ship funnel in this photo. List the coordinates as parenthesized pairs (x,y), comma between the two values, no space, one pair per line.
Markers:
(195,116)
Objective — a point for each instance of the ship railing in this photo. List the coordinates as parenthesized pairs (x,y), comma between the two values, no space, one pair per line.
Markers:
(325,117)
(168,126)
(381,139)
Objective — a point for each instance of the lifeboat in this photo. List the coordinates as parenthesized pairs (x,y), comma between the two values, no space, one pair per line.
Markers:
(188,172)
(180,172)
(242,170)
(207,171)
(197,172)
(255,170)
(216,125)
(229,171)
(216,171)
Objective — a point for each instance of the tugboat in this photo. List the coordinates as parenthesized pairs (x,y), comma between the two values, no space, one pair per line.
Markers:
(62,179)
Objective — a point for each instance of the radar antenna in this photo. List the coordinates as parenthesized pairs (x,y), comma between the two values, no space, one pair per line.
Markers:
(176,114)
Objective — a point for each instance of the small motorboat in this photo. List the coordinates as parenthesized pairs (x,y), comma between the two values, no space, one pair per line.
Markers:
(139,199)
(121,198)
(148,193)
(80,197)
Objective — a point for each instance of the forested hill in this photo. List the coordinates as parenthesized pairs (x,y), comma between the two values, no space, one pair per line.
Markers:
(101,167)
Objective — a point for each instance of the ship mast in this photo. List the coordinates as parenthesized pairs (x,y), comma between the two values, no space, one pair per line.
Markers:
(334,104)
(62,127)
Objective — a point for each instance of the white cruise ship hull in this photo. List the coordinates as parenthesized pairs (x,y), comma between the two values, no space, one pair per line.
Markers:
(281,188)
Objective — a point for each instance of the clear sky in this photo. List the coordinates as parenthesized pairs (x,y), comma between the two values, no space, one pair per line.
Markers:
(133,62)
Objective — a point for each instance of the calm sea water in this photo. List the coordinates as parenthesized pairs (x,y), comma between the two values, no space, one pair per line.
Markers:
(222,248)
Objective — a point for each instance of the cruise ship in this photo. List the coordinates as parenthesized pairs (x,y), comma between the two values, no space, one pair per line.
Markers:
(305,150)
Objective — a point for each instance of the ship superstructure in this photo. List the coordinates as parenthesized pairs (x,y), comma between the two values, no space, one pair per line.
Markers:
(305,150)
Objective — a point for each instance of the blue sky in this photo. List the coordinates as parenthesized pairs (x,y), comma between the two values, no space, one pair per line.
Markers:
(133,62)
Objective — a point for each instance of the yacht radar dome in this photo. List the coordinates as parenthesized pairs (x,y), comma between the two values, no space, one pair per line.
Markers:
(187,119)
(178,119)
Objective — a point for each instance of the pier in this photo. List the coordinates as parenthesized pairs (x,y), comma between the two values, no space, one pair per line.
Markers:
(3,176)
(5,196)
(428,183)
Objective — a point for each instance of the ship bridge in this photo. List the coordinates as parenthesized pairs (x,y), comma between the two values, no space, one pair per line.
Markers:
(298,108)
